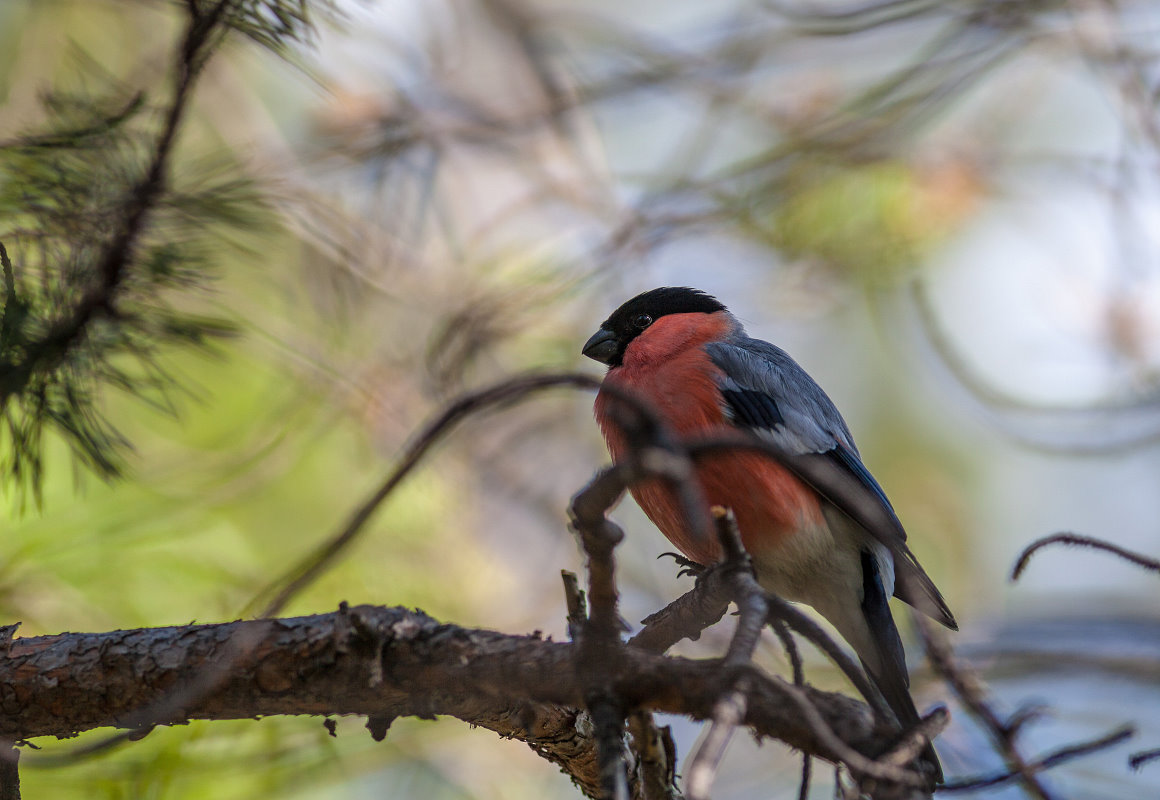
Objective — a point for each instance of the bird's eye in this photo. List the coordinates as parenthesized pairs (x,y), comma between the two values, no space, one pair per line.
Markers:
(641,321)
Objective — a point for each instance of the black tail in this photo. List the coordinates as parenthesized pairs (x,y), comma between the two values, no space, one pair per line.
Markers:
(890,672)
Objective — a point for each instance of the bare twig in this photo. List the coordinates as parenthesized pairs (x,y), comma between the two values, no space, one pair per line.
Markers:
(972,694)
(1138,760)
(599,537)
(608,718)
(753,608)
(728,713)
(785,636)
(918,737)
(858,764)
(804,783)
(750,598)
(576,602)
(499,394)
(1078,540)
(1054,758)
(810,630)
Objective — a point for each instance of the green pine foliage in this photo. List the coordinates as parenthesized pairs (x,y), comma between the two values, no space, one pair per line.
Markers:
(105,250)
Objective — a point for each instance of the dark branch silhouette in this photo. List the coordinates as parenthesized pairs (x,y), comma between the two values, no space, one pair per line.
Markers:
(1077,540)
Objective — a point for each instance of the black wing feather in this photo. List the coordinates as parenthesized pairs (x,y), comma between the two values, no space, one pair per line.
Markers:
(753,409)
(839,475)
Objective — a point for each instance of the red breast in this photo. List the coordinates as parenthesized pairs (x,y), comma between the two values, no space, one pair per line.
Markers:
(667,366)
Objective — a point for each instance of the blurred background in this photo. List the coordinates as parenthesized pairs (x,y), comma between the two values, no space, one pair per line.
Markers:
(949,213)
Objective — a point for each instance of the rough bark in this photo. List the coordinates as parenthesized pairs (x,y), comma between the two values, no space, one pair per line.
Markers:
(383,663)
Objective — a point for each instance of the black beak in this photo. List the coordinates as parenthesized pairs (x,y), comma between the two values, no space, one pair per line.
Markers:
(602,346)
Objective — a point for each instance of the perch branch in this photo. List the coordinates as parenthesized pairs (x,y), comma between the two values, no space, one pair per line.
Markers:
(386,663)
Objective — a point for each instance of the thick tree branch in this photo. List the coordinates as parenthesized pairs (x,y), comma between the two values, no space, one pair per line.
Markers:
(386,663)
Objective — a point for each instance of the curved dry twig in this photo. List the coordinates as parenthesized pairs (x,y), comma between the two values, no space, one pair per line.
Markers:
(859,764)
(1079,540)
(504,392)
(910,746)
(785,636)
(810,630)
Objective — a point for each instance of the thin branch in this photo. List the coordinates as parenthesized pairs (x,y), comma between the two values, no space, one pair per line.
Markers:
(656,757)
(1078,540)
(1055,758)
(576,603)
(1138,760)
(917,738)
(785,636)
(857,763)
(810,630)
(728,713)
(804,783)
(972,694)
(753,608)
(509,391)
(751,599)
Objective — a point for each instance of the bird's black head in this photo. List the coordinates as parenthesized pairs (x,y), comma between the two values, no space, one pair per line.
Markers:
(608,344)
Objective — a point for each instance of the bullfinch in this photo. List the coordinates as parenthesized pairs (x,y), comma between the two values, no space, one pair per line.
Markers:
(817,525)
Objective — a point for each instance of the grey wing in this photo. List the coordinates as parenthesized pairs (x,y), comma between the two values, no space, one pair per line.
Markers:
(767,391)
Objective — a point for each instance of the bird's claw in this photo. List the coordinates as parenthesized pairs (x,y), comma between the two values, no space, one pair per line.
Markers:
(687,565)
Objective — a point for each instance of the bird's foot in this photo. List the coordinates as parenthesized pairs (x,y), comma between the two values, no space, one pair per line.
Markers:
(687,565)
